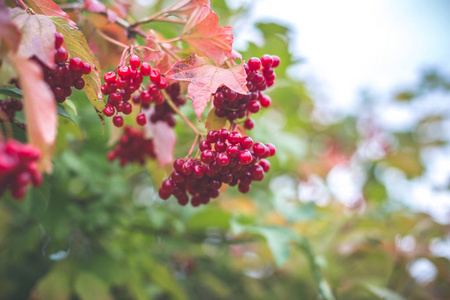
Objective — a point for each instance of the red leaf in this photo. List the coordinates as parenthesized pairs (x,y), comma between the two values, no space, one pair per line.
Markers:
(38,35)
(49,8)
(164,139)
(9,33)
(39,108)
(206,37)
(205,78)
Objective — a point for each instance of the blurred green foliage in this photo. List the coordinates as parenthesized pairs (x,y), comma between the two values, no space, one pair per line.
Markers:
(95,230)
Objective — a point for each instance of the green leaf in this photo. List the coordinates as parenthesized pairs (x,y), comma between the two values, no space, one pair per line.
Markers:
(383,293)
(90,287)
(54,286)
(213,122)
(210,217)
(77,46)
(161,276)
(11,92)
(62,112)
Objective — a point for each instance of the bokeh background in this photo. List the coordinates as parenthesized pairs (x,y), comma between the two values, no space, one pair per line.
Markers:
(356,204)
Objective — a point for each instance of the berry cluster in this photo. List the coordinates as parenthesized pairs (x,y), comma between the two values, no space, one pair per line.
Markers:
(163,112)
(18,168)
(121,86)
(260,75)
(65,75)
(10,107)
(132,147)
(226,157)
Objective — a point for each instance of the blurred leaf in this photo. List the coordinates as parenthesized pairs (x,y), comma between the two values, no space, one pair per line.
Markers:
(405,96)
(90,287)
(213,122)
(161,276)
(11,92)
(54,286)
(383,293)
(62,112)
(407,160)
(209,217)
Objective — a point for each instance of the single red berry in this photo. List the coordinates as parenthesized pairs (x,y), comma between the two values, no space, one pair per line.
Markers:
(265,164)
(243,188)
(265,101)
(220,146)
(79,83)
(110,77)
(254,64)
(207,156)
(155,76)
(86,68)
(266,61)
(118,120)
(178,164)
(59,39)
(115,98)
(232,150)
(162,84)
(223,134)
(198,171)
(257,172)
(163,194)
(60,55)
(127,108)
(234,137)
(272,149)
(246,143)
(135,62)
(276,61)
(146,97)
(253,106)
(222,159)
(75,64)
(145,69)
(168,185)
(109,111)
(141,119)
(245,157)
(259,148)
(124,72)
(249,124)
(212,136)
(204,145)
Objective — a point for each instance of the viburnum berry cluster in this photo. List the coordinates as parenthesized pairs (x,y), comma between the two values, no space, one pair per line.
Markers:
(132,147)
(226,158)
(64,75)
(260,75)
(121,87)
(18,168)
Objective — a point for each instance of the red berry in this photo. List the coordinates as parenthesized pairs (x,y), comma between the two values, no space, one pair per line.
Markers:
(110,77)
(265,164)
(79,83)
(109,110)
(124,72)
(222,159)
(118,120)
(249,124)
(75,64)
(145,69)
(178,164)
(272,149)
(86,68)
(212,136)
(253,106)
(254,64)
(207,156)
(127,108)
(59,39)
(135,62)
(234,137)
(265,101)
(276,61)
(141,119)
(246,143)
(266,61)
(60,55)
(155,76)
(245,157)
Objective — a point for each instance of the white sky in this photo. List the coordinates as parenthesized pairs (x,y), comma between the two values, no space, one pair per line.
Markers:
(348,44)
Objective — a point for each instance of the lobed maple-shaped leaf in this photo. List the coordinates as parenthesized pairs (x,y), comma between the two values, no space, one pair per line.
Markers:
(40,109)
(205,78)
(203,33)
(77,47)
(164,139)
(9,33)
(49,8)
(184,8)
(38,36)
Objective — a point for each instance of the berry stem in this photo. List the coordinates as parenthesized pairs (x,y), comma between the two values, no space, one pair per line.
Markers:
(175,108)
(111,40)
(22,4)
(193,146)
(157,17)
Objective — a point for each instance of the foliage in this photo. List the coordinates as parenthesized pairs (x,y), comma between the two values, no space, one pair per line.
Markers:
(96,230)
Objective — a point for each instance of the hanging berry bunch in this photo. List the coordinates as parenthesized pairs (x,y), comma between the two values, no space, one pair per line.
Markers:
(226,158)
(120,88)
(65,74)
(260,75)
(132,147)
(10,107)
(18,168)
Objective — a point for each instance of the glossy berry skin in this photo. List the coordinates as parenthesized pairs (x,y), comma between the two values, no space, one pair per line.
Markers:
(254,63)
(141,119)
(249,124)
(266,61)
(75,64)
(245,157)
(118,120)
(135,61)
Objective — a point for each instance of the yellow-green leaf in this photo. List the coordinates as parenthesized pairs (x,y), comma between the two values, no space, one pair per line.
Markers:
(77,46)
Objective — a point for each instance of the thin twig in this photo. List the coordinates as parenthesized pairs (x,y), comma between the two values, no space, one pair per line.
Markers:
(175,108)
(111,40)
